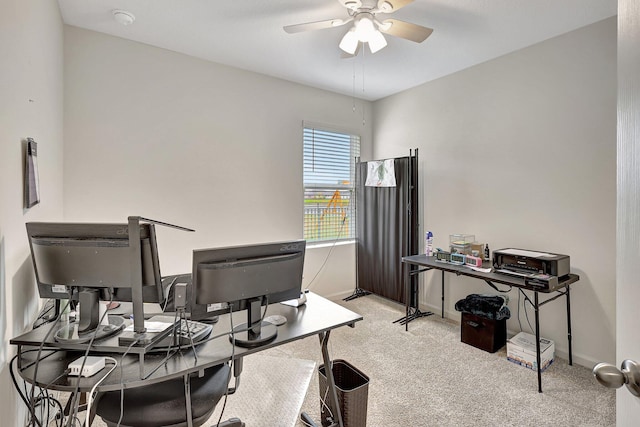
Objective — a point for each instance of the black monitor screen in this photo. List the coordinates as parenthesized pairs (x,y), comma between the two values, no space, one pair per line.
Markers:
(248,276)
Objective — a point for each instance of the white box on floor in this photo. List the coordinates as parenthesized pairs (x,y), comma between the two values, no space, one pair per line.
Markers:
(521,349)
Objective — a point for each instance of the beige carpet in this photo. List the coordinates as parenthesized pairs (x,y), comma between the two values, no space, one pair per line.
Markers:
(427,377)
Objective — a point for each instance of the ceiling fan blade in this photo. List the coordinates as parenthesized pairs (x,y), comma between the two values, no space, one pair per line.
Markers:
(405,30)
(388,6)
(318,25)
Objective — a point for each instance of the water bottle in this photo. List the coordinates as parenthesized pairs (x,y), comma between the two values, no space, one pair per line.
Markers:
(428,243)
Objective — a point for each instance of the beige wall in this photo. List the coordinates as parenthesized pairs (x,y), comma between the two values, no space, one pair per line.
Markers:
(155,133)
(31,95)
(521,152)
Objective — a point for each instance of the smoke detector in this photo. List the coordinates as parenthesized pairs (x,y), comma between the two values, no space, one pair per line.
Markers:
(123,17)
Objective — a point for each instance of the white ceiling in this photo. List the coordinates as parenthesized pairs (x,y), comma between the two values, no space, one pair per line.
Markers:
(248,34)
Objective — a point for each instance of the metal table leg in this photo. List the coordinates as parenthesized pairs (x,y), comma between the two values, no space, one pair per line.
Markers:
(333,394)
(187,397)
(538,358)
(442,312)
(412,289)
(569,323)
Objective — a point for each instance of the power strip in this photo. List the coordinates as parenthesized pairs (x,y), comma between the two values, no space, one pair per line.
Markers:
(92,365)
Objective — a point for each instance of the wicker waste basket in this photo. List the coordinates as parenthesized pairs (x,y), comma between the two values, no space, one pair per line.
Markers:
(352,387)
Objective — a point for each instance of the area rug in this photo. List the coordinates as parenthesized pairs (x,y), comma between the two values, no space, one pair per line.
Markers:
(271,392)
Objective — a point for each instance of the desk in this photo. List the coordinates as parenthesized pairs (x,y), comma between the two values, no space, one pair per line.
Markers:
(426,263)
(317,317)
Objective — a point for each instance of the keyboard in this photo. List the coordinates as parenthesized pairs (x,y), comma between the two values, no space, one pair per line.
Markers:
(192,331)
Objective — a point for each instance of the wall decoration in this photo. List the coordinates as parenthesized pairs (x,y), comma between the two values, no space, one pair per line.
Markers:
(31,182)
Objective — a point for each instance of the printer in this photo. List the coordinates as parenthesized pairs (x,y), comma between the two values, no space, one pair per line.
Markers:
(537,268)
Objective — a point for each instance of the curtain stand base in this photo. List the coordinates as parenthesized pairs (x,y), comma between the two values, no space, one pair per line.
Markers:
(357,294)
(414,314)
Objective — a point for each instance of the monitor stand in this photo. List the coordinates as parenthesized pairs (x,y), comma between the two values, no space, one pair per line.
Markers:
(87,325)
(69,333)
(260,333)
(249,339)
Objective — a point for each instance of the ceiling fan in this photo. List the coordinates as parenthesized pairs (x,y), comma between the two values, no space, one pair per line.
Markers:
(367,28)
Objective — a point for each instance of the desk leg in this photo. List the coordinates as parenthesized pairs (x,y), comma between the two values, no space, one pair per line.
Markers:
(569,323)
(187,399)
(537,308)
(335,404)
(442,293)
(408,289)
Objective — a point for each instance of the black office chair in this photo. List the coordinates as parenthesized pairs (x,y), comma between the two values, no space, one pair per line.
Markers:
(164,404)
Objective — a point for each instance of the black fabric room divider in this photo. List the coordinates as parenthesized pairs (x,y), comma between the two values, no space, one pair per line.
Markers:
(386,229)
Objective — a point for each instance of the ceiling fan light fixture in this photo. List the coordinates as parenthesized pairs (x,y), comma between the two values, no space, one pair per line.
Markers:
(377,42)
(365,29)
(349,42)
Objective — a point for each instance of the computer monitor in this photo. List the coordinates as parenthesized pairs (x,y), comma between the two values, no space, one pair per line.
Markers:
(87,262)
(248,277)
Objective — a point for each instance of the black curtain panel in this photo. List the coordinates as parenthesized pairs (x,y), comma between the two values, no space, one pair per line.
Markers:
(387,229)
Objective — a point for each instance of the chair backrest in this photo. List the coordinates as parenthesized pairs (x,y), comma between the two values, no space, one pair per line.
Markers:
(164,404)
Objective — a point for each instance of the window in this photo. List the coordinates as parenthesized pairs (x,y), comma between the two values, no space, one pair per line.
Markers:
(329,172)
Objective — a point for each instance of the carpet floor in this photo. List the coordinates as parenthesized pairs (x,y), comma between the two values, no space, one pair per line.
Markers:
(427,377)
(423,377)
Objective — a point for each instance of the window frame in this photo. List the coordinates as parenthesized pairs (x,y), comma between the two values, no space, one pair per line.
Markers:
(355,143)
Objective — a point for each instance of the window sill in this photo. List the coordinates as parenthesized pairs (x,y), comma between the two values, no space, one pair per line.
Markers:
(318,245)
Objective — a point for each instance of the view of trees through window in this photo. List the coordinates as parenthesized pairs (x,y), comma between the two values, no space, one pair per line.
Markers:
(329,171)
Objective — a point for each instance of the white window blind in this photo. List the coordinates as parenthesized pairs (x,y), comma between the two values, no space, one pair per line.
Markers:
(329,172)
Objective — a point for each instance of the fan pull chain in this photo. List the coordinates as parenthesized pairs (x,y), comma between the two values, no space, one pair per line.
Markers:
(363,104)
(354,86)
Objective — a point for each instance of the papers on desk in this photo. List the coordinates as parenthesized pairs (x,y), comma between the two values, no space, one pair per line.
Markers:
(151,326)
(480,269)
(523,252)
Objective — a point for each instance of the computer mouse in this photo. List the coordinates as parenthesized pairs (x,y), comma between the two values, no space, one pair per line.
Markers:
(276,319)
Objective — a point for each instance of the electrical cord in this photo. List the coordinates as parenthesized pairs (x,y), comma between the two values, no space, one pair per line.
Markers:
(122,380)
(233,351)
(23,395)
(44,391)
(91,395)
(526,314)
(40,320)
(212,337)
(58,406)
(519,320)
(45,402)
(333,245)
(40,348)
(75,394)
(168,291)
